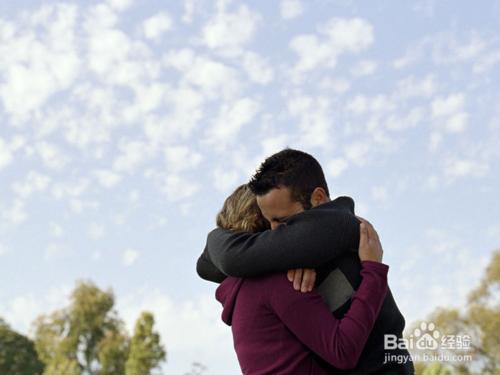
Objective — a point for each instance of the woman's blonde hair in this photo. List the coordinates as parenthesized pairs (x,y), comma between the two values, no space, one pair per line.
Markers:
(241,213)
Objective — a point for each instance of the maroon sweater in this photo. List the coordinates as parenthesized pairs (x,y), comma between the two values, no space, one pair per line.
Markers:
(276,329)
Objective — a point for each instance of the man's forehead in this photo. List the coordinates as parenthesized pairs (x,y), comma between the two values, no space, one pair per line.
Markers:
(276,203)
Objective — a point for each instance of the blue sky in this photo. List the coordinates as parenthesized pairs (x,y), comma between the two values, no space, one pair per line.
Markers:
(124,124)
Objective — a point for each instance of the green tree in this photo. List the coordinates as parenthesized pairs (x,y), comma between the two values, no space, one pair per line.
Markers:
(146,350)
(113,353)
(479,320)
(17,353)
(87,337)
(436,369)
(68,339)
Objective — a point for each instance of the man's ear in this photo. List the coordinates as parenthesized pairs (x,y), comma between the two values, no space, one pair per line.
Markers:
(318,197)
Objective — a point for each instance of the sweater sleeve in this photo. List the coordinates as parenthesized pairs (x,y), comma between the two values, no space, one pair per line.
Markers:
(308,240)
(206,269)
(340,342)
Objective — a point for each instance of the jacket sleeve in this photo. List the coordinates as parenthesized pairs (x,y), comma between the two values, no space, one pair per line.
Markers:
(340,342)
(207,270)
(308,240)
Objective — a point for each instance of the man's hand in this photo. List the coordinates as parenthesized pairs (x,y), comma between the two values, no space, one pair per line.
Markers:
(303,278)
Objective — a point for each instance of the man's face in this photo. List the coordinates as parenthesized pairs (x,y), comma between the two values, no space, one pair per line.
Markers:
(277,206)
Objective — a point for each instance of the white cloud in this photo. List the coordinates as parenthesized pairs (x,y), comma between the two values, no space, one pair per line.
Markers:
(187,104)
(34,182)
(3,249)
(5,154)
(457,122)
(213,77)
(435,140)
(336,167)
(51,155)
(190,7)
(337,85)
(450,48)
(108,53)
(69,189)
(487,62)
(412,86)
(132,155)
(447,105)
(178,188)
(358,104)
(449,114)
(22,310)
(120,5)
(315,119)
(157,222)
(357,152)
(224,180)
(79,206)
(361,104)
(364,68)
(274,143)
(148,98)
(349,34)
(154,27)
(460,168)
(230,31)
(107,178)
(402,122)
(312,53)
(181,158)
(231,118)
(56,250)
(129,257)
(55,230)
(16,214)
(425,7)
(412,54)
(113,55)
(290,9)
(257,68)
(337,36)
(38,66)
(96,231)
(379,194)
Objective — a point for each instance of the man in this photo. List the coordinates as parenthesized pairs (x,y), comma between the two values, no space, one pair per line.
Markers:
(309,231)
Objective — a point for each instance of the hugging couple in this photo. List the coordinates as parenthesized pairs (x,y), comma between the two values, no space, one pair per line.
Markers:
(302,283)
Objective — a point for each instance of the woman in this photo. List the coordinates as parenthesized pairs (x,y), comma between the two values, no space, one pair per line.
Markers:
(278,330)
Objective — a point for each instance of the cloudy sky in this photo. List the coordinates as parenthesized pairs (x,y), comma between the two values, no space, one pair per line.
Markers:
(125,123)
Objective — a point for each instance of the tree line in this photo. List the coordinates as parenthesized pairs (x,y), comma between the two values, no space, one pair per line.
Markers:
(85,338)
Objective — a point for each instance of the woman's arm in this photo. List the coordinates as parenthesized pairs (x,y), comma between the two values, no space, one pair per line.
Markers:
(339,342)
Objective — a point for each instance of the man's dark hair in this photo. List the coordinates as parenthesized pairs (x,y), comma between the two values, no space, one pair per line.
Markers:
(294,169)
